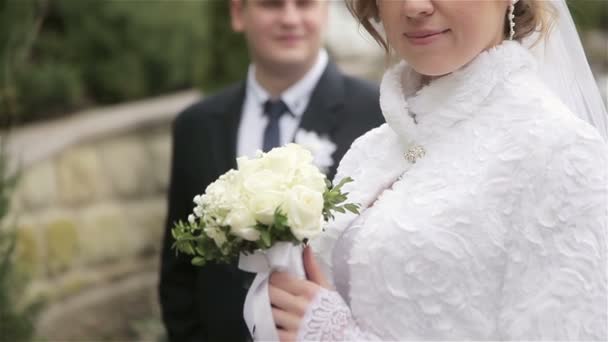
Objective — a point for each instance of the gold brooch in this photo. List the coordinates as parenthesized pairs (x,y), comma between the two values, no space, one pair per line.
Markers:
(414,153)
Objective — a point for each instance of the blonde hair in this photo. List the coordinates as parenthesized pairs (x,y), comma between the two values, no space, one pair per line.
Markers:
(530,16)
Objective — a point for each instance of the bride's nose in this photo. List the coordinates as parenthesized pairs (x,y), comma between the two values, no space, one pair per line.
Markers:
(416,9)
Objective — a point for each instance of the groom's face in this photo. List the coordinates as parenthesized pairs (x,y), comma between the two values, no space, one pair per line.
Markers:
(281,33)
(437,37)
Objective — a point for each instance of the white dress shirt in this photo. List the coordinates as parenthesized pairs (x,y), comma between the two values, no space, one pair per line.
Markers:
(253,121)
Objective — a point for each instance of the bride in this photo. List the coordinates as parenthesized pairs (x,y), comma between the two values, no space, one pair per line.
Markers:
(484,197)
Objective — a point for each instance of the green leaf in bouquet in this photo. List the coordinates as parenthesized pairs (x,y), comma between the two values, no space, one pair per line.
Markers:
(266,238)
(334,199)
(344,181)
(353,208)
(185,247)
(198,261)
(200,250)
(340,198)
(280,221)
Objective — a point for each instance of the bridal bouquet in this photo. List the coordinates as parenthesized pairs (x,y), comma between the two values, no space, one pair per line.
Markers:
(280,196)
(262,213)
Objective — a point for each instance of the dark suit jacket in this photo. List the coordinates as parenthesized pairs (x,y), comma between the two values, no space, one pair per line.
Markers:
(206,303)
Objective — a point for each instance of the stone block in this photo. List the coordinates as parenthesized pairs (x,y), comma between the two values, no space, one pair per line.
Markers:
(29,251)
(147,218)
(80,177)
(126,163)
(105,234)
(38,186)
(160,155)
(61,244)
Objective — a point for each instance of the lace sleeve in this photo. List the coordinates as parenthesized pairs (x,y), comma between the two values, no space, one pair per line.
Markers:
(328,318)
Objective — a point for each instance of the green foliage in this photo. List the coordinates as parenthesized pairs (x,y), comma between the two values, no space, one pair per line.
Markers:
(63,55)
(590,14)
(227,57)
(16,323)
(190,239)
(334,200)
(17,20)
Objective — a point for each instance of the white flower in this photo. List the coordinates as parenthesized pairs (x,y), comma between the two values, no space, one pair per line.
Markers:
(249,234)
(221,196)
(265,191)
(304,210)
(283,162)
(242,224)
(321,148)
(191,219)
(218,236)
(310,177)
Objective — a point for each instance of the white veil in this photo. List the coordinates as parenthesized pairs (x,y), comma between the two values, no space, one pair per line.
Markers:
(564,68)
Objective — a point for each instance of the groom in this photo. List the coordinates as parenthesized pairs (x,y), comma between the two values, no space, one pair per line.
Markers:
(291,86)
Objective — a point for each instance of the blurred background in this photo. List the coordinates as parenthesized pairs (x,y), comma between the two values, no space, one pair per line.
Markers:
(88,90)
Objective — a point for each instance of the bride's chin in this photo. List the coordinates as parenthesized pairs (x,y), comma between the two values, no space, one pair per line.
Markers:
(437,65)
(431,71)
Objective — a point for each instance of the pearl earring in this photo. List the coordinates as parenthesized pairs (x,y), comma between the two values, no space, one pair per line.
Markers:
(511,16)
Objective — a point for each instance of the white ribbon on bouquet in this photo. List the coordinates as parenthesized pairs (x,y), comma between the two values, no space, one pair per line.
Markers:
(283,257)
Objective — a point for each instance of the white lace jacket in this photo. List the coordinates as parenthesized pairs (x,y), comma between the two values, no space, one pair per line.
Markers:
(498,233)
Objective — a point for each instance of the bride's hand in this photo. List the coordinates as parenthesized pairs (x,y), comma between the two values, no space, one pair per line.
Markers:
(290,296)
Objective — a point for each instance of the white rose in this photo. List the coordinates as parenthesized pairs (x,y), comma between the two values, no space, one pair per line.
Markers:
(264,205)
(287,160)
(265,192)
(304,210)
(310,177)
(249,234)
(216,234)
(248,166)
(242,224)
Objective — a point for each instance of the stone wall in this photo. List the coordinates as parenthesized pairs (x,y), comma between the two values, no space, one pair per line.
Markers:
(90,215)
(94,204)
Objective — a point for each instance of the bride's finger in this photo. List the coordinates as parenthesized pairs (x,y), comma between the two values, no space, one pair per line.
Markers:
(285,320)
(313,270)
(292,284)
(286,301)
(286,336)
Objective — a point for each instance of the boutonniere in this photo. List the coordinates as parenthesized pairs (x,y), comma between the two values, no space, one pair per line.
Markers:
(321,148)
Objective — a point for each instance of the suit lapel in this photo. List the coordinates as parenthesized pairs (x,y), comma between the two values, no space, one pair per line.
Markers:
(327,99)
(223,137)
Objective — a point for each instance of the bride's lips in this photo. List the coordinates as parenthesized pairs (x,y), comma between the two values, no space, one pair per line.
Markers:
(424,37)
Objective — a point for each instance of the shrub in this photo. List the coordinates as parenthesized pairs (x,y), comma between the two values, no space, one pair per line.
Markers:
(16,320)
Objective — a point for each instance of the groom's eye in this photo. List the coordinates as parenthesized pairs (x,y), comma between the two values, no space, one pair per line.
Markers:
(271,3)
(305,3)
